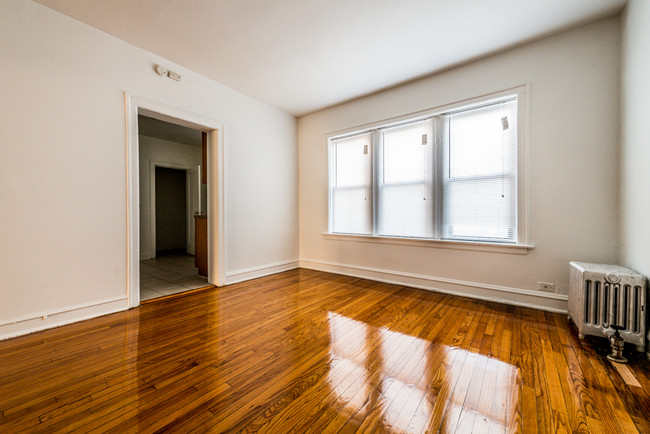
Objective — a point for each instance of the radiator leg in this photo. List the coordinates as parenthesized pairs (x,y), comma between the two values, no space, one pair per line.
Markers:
(640,348)
(581,336)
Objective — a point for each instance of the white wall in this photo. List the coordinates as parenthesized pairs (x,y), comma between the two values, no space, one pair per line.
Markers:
(63,195)
(635,137)
(168,153)
(572,172)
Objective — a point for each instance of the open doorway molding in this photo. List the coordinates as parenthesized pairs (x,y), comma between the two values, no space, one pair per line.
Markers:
(135,106)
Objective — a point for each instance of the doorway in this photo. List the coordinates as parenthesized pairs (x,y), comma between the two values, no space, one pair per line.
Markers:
(171,210)
(210,198)
(171,159)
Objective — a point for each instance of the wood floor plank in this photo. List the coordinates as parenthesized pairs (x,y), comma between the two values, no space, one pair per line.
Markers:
(595,395)
(558,415)
(542,392)
(222,424)
(353,404)
(434,352)
(602,373)
(575,416)
(453,373)
(342,386)
(308,351)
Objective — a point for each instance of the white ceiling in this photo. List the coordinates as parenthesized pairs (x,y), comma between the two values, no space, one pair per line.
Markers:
(304,55)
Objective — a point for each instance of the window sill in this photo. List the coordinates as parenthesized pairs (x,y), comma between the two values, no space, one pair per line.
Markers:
(512,249)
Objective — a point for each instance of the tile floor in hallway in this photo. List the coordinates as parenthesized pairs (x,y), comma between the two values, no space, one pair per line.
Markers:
(169,273)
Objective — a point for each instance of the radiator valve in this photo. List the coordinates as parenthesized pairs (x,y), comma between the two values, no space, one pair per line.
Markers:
(617,345)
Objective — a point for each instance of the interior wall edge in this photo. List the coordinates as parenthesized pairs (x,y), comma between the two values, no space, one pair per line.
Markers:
(550,302)
(241,275)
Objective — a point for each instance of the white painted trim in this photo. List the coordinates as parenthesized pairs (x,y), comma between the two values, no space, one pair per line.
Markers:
(243,274)
(215,208)
(216,233)
(54,318)
(191,208)
(482,291)
(523,196)
(513,249)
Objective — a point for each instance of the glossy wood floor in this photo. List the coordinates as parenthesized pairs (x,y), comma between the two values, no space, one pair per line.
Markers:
(304,351)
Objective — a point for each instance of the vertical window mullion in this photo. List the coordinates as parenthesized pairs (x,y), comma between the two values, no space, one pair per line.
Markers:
(436,184)
(377,170)
(520,208)
(332,180)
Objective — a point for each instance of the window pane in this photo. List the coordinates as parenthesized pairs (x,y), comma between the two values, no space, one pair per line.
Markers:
(408,153)
(483,210)
(350,189)
(352,161)
(479,179)
(405,193)
(406,211)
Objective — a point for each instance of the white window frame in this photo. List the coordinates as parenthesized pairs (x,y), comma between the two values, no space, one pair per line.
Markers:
(520,247)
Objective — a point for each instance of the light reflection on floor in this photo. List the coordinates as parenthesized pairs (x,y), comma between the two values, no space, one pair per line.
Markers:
(410,381)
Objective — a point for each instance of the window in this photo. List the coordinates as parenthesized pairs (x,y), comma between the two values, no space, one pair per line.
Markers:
(351,186)
(479,175)
(405,186)
(447,175)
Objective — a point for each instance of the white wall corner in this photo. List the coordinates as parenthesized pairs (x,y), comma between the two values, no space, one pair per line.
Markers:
(243,274)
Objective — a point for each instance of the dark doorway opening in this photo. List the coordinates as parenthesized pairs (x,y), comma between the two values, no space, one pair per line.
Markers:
(171,209)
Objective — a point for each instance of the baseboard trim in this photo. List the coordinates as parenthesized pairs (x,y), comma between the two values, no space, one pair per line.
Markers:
(516,296)
(243,274)
(501,294)
(55,318)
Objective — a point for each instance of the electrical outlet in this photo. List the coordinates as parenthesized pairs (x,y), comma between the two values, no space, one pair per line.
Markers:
(545,286)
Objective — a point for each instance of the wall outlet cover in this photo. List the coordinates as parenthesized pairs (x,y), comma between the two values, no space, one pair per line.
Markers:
(546,286)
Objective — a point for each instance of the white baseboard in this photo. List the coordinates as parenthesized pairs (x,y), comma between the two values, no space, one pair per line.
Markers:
(55,318)
(241,275)
(501,294)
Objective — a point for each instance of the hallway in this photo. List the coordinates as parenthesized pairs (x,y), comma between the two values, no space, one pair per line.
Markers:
(169,273)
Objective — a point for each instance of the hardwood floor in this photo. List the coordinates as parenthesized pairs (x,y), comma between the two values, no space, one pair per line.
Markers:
(304,351)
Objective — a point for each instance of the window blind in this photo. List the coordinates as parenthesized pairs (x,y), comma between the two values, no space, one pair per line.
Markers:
(451,175)
(479,180)
(405,186)
(351,189)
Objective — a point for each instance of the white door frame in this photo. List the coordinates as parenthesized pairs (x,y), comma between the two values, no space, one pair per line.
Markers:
(190,246)
(215,150)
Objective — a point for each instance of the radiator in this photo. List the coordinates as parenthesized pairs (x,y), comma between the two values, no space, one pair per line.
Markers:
(602,295)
